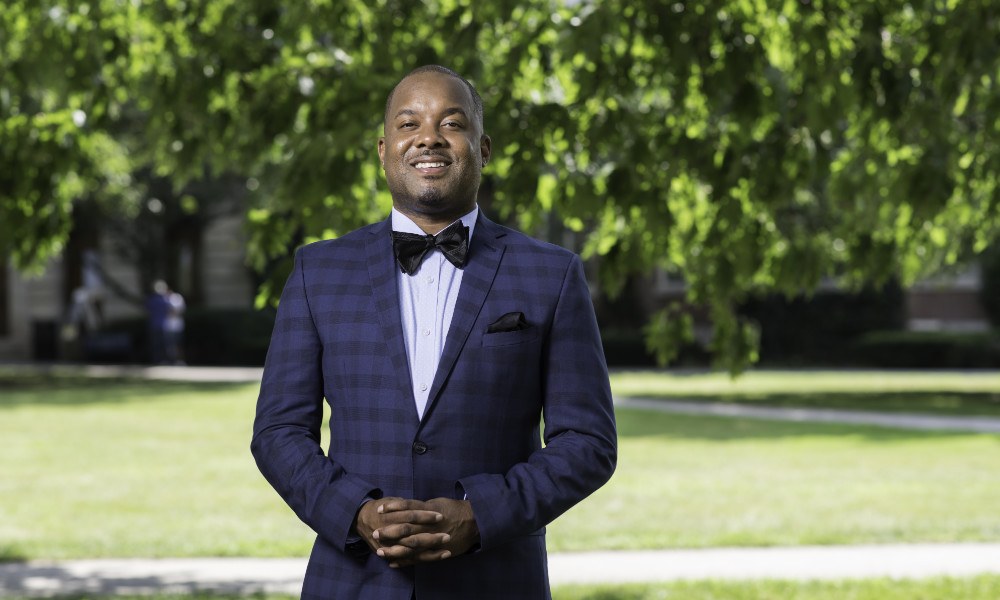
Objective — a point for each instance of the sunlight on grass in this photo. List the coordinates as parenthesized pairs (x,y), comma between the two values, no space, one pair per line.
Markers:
(138,469)
(985,587)
(686,481)
(156,469)
(940,588)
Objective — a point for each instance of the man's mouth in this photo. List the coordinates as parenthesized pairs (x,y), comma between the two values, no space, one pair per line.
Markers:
(430,166)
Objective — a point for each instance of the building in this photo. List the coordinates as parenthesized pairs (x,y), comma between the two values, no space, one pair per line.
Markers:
(44,317)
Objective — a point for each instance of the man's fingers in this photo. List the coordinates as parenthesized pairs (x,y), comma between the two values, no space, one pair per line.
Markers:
(395,504)
(418,518)
(410,537)
(409,511)
(401,556)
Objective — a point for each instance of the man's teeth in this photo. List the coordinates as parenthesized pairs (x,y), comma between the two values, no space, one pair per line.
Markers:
(430,165)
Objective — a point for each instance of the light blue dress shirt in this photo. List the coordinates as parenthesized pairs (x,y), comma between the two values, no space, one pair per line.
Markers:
(427,300)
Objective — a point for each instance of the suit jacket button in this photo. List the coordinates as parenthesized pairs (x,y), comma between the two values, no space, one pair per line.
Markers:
(420,447)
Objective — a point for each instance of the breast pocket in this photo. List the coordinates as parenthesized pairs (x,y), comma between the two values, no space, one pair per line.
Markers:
(510,338)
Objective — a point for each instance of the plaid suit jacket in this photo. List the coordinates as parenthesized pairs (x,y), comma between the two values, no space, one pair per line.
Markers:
(338,336)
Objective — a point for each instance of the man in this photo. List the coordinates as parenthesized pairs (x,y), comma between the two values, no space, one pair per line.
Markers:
(438,364)
(157,309)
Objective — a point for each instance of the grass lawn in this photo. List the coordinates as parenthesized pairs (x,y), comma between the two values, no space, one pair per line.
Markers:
(973,588)
(110,468)
(953,393)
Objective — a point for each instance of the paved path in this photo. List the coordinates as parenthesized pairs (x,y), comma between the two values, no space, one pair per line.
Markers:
(284,575)
(817,415)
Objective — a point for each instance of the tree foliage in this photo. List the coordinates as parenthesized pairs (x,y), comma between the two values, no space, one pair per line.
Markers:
(744,145)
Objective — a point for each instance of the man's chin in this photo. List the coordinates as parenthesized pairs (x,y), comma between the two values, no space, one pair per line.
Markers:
(431,198)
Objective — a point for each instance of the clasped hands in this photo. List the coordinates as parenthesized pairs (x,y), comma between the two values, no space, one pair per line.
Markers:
(405,531)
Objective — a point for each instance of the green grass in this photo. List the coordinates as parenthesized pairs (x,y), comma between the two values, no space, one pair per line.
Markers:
(113,468)
(974,588)
(688,481)
(985,587)
(122,468)
(953,393)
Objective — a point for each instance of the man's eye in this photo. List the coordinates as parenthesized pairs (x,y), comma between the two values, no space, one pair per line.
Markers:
(407,124)
(453,124)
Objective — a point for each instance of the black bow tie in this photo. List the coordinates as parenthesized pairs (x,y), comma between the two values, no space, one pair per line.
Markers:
(411,249)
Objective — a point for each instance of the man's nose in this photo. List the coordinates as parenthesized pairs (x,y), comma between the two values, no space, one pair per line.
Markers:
(430,137)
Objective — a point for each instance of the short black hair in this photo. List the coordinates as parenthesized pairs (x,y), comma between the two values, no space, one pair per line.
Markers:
(477,101)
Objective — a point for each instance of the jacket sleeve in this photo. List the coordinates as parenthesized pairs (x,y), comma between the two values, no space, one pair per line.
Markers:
(286,430)
(580,450)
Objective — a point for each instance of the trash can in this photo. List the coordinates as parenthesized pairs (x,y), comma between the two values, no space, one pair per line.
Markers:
(45,340)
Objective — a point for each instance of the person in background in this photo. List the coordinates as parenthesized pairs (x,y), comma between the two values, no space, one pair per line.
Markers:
(173,328)
(157,310)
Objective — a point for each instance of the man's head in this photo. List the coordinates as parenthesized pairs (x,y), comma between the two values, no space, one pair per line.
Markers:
(476,99)
(433,150)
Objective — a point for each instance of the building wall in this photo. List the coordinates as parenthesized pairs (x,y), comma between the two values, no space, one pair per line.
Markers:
(227,282)
(39,308)
(15,345)
(947,303)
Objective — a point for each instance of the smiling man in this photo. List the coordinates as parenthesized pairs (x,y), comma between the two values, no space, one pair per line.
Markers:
(440,340)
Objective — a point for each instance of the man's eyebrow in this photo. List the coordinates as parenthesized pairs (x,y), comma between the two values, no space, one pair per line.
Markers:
(454,110)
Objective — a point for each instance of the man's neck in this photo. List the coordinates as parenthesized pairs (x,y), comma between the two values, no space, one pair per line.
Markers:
(432,224)
(402,221)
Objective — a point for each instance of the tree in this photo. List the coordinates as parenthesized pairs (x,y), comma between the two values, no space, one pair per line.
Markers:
(59,92)
(747,146)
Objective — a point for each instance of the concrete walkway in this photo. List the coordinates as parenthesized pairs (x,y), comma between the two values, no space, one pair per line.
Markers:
(284,575)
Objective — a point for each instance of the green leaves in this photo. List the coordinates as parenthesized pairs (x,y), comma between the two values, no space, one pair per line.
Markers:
(746,146)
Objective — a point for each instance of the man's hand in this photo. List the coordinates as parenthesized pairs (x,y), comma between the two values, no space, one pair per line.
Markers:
(405,518)
(405,532)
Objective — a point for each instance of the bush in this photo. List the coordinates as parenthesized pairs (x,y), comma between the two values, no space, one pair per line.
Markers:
(226,336)
(212,336)
(821,329)
(627,348)
(928,349)
(989,289)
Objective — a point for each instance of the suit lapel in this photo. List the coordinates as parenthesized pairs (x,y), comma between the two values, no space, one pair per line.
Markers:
(485,253)
(385,289)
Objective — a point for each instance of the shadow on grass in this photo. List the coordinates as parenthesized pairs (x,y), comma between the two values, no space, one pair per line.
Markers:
(9,553)
(33,580)
(74,390)
(637,423)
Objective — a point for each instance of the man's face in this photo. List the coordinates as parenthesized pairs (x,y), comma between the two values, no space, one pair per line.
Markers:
(433,151)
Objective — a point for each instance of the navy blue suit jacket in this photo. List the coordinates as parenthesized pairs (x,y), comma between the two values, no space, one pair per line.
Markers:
(338,336)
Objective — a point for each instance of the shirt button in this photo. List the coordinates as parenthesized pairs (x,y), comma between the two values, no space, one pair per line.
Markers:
(430,280)
(420,448)
(427,332)
(423,387)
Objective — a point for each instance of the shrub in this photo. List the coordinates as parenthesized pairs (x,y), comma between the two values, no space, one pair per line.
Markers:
(227,336)
(821,329)
(928,349)
(212,336)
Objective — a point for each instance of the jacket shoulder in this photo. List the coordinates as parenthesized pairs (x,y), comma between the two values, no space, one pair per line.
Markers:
(518,243)
(348,243)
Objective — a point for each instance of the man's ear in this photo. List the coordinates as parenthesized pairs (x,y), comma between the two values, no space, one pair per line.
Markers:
(485,148)
(381,151)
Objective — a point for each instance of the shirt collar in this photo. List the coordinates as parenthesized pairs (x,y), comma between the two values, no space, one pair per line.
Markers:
(405,224)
